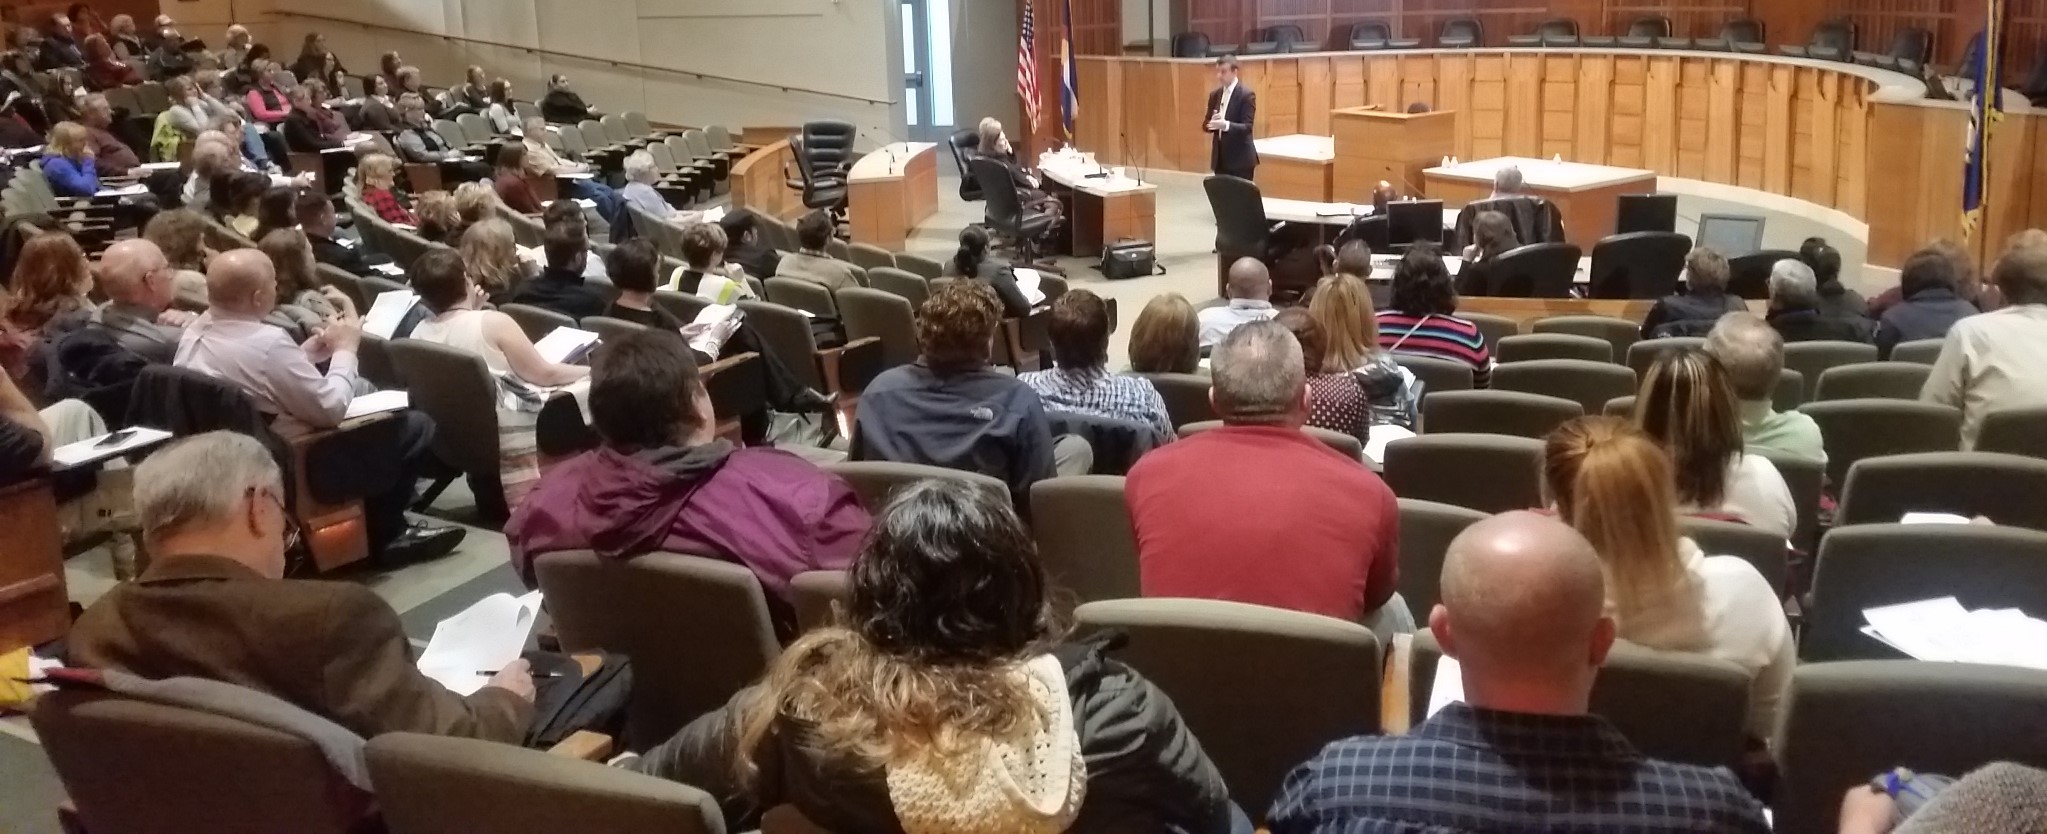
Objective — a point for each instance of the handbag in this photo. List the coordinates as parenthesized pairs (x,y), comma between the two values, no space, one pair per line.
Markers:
(1130,259)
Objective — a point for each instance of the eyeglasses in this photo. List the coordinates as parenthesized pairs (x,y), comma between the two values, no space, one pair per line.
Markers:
(292,533)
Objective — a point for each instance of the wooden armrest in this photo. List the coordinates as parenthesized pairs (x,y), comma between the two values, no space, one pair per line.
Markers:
(584,745)
(1395,713)
(831,364)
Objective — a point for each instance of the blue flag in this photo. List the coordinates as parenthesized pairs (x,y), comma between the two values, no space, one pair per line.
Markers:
(1986,109)
(1069,76)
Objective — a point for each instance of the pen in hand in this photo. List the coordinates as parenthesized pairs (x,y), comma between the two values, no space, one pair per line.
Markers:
(536,675)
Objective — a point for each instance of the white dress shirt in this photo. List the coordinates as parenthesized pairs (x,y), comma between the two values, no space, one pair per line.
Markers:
(1990,361)
(1222,106)
(1757,495)
(278,374)
(1725,610)
(1217,322)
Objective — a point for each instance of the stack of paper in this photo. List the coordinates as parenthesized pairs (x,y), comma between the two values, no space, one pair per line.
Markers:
(133,190)
(1942,630)
(1031,283)
(714,324)
(387,312)
(468,647)
(377,402)
(565,345)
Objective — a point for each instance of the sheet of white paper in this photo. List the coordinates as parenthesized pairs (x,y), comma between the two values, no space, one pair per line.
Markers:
(588,204)
(153,167)
(1030,282)
(125,191)
(388,269)
(359,138)
(344,243)
(342,149)
(1375,446)
(377,402)
(564,344)
(713,214)
(387,311)
(89,450)
(1925,629)
(485,637)
(1448,687)
(574,175)
(532,254)
(1933,518)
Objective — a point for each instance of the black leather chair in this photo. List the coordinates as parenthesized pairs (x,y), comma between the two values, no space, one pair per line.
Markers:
(965,144)
(1288,37)
(1371,34)
(1005,210)
(1638,264)
(1538,270)
(1190,45)
(1649,33)
(1910,49)
(1461,33)
(1242,231)
(2035,88)
(1376,231)
(1748,276)
(1832,40)
(1259,42)
(824,152)
(1742,34)
(1557,31)
(1535,220)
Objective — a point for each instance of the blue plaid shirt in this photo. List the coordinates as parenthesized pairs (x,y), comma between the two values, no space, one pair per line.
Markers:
(1476,770)
(1098,393)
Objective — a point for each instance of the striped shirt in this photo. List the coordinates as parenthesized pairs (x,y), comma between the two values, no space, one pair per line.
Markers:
(1438,337)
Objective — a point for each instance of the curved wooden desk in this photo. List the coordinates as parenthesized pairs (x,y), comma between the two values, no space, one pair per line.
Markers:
(758,182)
(890,191)
(1859,139)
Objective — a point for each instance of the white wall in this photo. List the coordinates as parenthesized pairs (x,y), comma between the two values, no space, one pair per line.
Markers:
(845,47)
(983,63)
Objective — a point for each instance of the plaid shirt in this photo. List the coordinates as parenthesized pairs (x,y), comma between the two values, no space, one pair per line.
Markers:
(1098,393)
(385,201)
(1470,770)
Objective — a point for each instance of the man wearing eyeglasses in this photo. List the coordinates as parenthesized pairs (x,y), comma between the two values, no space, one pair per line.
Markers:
(214,604)
(140,286)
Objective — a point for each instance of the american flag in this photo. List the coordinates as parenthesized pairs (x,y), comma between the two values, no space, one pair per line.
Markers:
(1027,68)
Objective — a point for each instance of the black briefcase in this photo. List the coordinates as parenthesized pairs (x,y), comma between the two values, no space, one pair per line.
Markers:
(1130,259)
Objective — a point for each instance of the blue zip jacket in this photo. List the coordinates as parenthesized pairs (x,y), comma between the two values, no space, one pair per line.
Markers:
(71,179)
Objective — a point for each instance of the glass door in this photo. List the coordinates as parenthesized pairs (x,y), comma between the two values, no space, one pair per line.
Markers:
(927,69)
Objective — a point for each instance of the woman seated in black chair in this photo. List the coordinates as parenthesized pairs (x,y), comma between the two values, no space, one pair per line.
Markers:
(995,146)
(1492,236)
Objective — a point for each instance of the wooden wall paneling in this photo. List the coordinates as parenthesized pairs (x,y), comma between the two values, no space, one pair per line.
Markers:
(1488,109)
(1100,126)
(2008,204)
(1097,27)
(1417,81)
(1382,86)
(1594,124)
(1630,76)
(1252,74)
(1279,98)
(1316,96)
(1694,19)
(1659,113)
(1820,105)
(1723,122)
(2025,35)
(1191,84)
(1851,126)
(1777,130)
(1524,104)
(1694,107)
(1454,93)
(2036,181)
(1754,132)
(1559,98)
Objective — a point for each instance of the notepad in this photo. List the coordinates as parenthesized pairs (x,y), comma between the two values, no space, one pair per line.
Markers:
(713,214)
(388,269)
(713,325)
(387,312)
(1375,444)
(532,254)
(1030,283)
(486,636)
(90,449)
(135,190)
(1448,687)
(565,345)
(377,402)
(1933,518)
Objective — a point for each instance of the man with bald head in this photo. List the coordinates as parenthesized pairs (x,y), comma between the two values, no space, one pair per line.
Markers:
(1250,289)
(140,286)
(232,342)
(1523,613)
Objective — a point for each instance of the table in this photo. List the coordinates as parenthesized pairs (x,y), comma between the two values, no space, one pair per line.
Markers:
(1105,209)
(1297,166)
(1587,195)
(891,190)
(1328,218)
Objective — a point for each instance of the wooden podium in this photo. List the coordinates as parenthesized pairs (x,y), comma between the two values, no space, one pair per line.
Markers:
(1374,145)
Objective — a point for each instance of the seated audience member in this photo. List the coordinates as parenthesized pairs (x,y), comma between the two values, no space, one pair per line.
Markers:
(1421,319)
(418,142)
(640,177)
(240,46)
(214,604)
(140,286)
(1342,306)
(459,322)
(111,157)
(212,155)
(1969,284)
(1335,400)
(632,267)
(1078,329)
(388,67)
(193,111)
(267,100)
(473,94)
(304,302)
(1702,302)
(1688,404)
(1997,798)
(60,48)
(1613,484)
(971,262)
(1325,261)
(1166,338)
(703,255)
(1836,299)
(103,69)
(663,481)
(1492,235)
(409,84)
(237,196)
(475,202)
(439,221)
(181,235)
(510,181)
(559,286)
(315,214)
(378,177)
(1998,359)
(379,110)
(492,255)
(1325,536)
(1521,611)
(126,39)
(1250,289)
(28,439)
(50,285)
(501,112)
(1795,309)
(1932,303)
(743,245)
(311,127)
(810,262)
(951,669)
(1753,355)
(561,105)
(1029,189)
(540,161)
(276,209)
(68,163)
(950,409)
(314,58)
(232,342)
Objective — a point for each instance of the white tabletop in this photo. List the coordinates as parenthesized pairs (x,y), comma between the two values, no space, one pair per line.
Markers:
(1299,146)
(1328,214)
(886,162)
(1543,173)
(1082,173)
(1382,267)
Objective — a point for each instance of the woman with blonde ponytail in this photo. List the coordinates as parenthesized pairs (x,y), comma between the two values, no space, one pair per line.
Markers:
(1614,484)
(947,700)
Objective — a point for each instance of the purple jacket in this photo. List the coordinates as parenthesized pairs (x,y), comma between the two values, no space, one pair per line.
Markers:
(769,510)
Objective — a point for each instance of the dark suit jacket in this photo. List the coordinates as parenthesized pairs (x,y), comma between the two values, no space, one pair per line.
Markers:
(1812,326)
(333,648)
(563,292)
(346,259)
(1231,150)
(302,134)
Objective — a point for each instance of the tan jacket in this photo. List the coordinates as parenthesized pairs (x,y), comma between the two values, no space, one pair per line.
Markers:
(833,273)
(334,648)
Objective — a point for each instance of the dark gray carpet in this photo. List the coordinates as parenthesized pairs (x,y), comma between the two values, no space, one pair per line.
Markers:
(29,791)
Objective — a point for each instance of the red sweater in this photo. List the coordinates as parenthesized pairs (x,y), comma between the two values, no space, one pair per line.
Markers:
(1264,515)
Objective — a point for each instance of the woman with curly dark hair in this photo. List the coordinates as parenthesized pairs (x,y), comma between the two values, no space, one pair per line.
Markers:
(1422,318)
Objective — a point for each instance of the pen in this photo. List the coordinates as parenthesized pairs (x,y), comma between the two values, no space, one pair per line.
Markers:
(488,673)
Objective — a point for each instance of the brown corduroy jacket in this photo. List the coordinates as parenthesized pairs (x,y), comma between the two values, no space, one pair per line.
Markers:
(333,648)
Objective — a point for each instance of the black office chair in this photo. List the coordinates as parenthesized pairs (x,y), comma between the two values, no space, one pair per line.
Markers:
(1535,220)
(824,150)
(1290,38)
(1742,34)
(965,144)
(1461,33)
(2035,88)
(1243,231)
(1638,264)
(1748,276)
(1371,34)
(1832,40)
(1005,209)
(1650,32)
(1557,31)
(1191,45)
(1259,42)
(1375,231)
(1538,270)
(1910,49)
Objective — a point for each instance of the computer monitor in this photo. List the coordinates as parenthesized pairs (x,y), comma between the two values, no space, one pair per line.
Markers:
(1414,221)
(1732,235)
(1646,213)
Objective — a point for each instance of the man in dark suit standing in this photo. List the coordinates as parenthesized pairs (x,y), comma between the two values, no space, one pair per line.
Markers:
(1232,107)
